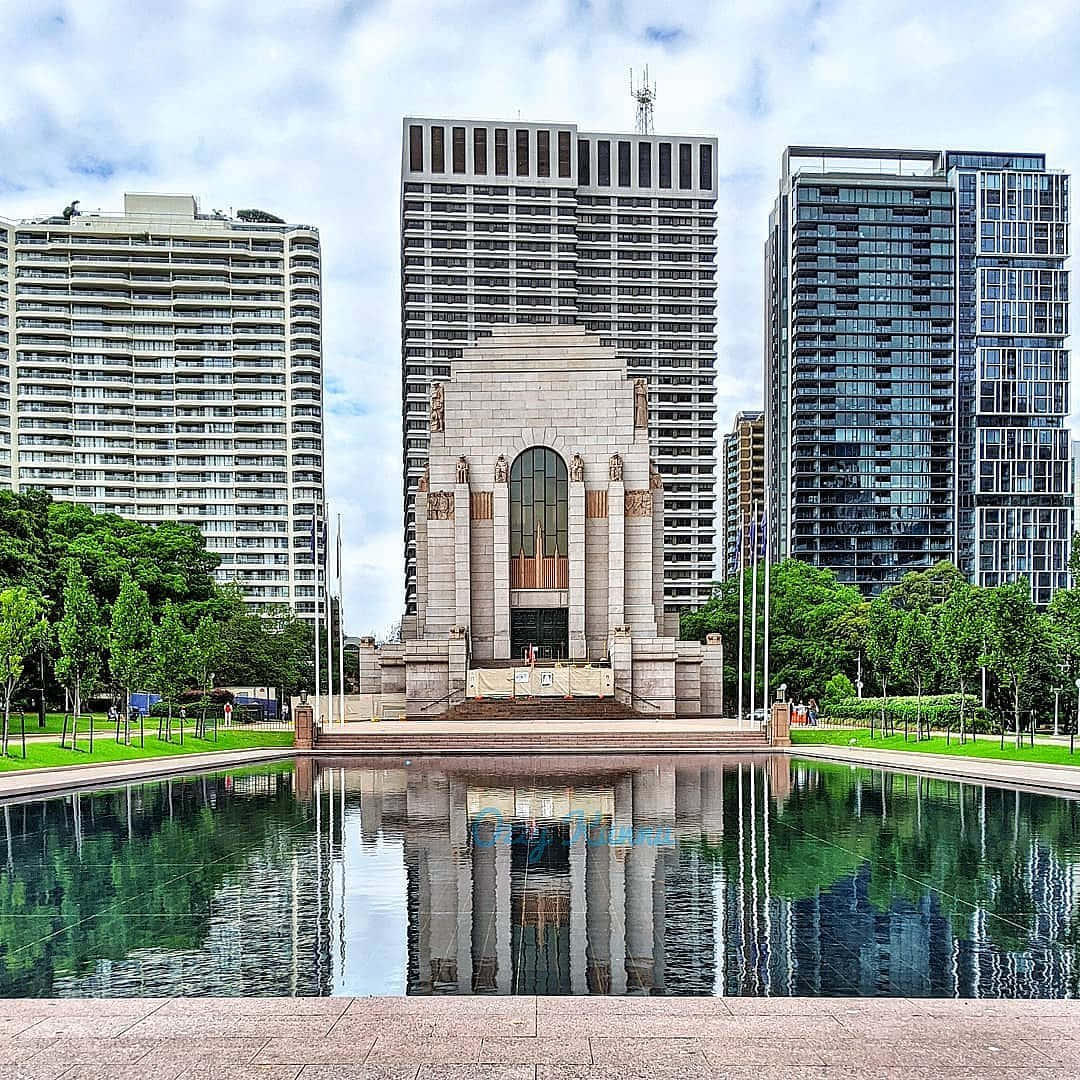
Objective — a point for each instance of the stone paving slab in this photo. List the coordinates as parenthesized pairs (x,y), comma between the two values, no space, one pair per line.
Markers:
(526,1038)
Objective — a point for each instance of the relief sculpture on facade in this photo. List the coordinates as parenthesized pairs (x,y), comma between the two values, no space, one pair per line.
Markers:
(437,407)
(641,403)
(638,503)
(440,505)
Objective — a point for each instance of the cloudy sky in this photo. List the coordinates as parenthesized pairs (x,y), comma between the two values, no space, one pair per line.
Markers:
(297,108)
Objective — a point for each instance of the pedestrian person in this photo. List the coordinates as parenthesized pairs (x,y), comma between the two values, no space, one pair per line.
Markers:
(812,712)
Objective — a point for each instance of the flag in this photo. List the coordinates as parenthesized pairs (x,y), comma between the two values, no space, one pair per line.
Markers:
(314,545)
(753,535)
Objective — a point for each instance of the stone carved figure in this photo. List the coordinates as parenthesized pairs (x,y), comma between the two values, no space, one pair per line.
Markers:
(615,467)
(422,486)
(438,417)
(638,503)
(502,470)
(641,403)
(440,505)
(462,470)
(656,481)
(577,469)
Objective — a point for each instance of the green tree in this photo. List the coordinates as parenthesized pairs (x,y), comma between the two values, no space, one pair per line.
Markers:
(207,652)
(882,631)
(1013,633)
(915,655)
(23,629)
(171,671)
(131,640)
(80,636)
(958,642)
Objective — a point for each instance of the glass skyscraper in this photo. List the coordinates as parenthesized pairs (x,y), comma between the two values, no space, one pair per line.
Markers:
(915,370)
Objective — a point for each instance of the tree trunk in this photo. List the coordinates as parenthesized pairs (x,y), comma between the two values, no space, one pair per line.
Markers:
(961,712)
(918,710)
(7,718)
(1016,710)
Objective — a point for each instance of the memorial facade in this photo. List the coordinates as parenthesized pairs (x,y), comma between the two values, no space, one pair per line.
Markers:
(540,535)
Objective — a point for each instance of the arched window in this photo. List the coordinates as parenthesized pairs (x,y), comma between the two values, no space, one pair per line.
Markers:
(538,518)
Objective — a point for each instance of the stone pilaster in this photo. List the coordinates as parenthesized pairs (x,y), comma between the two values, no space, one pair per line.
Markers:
(616,554)
(576,560)
(462,557)
(712,676)
(501,570)
(370,679)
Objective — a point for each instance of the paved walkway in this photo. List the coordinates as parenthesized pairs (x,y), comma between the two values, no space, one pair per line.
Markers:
(527,1038)
(105,773)
(1061,778)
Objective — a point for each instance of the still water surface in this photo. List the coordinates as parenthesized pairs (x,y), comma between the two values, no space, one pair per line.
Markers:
(636,875)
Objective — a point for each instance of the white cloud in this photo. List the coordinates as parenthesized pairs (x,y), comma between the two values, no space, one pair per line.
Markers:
(297,108)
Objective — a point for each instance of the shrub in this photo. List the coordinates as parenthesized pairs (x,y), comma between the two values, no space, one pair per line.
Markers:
(938,710)
(838,688)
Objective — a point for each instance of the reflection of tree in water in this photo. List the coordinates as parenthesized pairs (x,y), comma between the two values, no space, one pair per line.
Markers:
(97,877)
(887,883)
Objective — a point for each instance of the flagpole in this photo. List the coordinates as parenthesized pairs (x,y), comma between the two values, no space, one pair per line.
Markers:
(753,612)
(765,544)
(341,635)
(329,608)
(315,564)
(742,603)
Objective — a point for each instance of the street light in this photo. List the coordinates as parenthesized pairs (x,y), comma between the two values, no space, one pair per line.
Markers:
(781,691)
(1057,695)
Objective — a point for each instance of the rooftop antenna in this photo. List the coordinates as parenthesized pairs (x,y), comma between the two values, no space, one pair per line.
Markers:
(645,96)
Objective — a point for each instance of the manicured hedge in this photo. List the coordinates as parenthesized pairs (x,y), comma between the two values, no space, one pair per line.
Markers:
(938,710)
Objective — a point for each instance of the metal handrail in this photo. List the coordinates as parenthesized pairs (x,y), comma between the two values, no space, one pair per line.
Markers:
(438,701)
(632,697)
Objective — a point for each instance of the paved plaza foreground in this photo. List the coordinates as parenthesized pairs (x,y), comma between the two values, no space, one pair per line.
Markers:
(514,1038)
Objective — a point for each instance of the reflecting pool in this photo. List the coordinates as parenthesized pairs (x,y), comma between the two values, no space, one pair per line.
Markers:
(684,874)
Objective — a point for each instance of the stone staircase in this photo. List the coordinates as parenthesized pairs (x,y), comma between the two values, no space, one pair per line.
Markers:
(530,709)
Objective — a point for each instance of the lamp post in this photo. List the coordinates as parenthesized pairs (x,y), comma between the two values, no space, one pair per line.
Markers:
(1057,695)
(781,691)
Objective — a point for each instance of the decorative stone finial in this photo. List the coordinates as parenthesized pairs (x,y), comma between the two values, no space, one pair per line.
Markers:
(422,485)
(656,481)
(462,470)
(615,467)
(577,469)
(502,470)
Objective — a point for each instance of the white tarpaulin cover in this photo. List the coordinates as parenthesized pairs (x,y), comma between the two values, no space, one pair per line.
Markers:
(539,682)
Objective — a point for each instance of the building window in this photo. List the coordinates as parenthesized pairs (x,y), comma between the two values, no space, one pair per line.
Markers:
(583,161)
(564,153)
(665,164)
(538,519)
(459,150)
(479,151)
(705,167)
(522,147)
(416,148)
(624,164)
(603,163)
(438,153)
(502,166)
(644,164)
(543,153)
(685,171)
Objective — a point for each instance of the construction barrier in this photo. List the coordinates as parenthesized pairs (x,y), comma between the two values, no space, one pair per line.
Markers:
(539,682)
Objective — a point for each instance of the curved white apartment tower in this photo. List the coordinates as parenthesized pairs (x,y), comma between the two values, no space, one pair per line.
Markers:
(166,364)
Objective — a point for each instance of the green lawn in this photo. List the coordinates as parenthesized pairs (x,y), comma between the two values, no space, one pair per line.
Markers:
(982,748)
(42,755)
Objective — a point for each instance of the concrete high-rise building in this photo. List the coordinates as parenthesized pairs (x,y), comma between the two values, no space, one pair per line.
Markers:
(165,365)
(542,224)
(743,484)
(916,376)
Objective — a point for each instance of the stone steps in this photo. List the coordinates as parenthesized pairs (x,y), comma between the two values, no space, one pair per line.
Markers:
(504,742)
